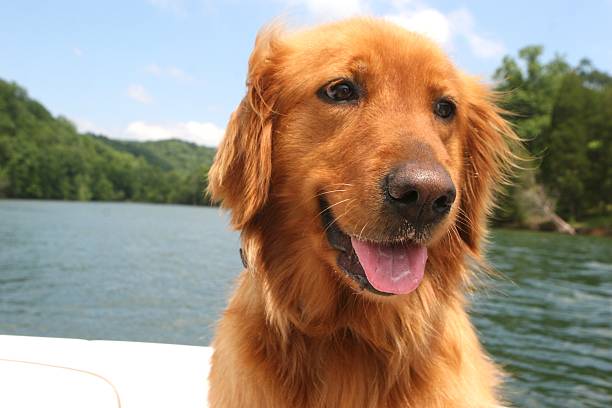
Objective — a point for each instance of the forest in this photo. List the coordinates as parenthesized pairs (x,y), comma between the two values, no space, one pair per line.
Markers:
(42,156)
(564,116)
(563,112)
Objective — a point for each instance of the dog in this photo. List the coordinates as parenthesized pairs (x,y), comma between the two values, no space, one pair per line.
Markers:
(359,168)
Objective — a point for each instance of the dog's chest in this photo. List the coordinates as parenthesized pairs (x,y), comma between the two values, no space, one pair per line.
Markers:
(337,374)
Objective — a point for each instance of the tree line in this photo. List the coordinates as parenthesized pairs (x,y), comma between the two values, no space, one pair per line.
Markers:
(45,157)
(563,113)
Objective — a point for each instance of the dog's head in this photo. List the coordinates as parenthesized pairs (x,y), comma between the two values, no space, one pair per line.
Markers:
(364,142)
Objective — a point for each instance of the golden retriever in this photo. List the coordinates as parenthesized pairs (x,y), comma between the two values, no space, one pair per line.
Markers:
(359,169)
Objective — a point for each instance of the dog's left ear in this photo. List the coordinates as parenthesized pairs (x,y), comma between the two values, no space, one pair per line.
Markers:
(240,175)
(490,152)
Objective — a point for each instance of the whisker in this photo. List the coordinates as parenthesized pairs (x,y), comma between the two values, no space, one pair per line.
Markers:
(464,214)
(316,217)
(333,205)
(337,218)
(331,191)
(464,219)
(341,184)
(326,192)
(336,188)
(455,234)
(363,228)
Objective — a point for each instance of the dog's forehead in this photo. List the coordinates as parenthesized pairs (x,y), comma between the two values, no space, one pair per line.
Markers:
(372,49)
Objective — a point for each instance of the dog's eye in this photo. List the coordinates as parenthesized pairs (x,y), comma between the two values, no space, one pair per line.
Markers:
(444,108)
(340,91)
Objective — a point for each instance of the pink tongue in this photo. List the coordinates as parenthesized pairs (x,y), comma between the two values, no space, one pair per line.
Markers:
(391,269)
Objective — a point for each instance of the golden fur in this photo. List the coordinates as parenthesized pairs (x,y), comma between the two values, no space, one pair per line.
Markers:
(297,331)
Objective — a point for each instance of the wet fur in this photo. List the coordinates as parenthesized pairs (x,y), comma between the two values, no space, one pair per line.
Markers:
(297,331)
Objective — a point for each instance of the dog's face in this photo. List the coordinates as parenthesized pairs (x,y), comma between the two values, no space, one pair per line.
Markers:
(366,137)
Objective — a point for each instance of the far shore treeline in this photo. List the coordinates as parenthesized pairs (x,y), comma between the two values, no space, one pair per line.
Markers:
(45,157)
(564,114)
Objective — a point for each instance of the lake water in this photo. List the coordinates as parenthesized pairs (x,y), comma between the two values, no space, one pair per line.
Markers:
(163,274)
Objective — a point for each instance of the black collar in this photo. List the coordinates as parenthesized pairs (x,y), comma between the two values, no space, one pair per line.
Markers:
(243,258)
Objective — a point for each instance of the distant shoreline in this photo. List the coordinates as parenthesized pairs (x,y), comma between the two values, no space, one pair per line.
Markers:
(54,200)
(594,231)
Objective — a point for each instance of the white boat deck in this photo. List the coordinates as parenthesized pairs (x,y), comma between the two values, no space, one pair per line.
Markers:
(71,373)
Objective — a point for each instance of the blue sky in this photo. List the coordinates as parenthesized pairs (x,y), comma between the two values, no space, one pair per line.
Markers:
(155,69)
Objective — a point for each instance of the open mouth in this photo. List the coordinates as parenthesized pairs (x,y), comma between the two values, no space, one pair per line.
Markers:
(382,268)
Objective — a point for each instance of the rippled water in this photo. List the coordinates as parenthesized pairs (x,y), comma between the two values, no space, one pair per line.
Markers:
(114,271)
(548,320)
(163,273)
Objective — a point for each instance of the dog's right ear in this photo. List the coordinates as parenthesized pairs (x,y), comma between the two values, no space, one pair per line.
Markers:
(240,175)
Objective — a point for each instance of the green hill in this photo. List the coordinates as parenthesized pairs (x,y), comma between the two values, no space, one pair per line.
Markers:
(42,156)
(166,154)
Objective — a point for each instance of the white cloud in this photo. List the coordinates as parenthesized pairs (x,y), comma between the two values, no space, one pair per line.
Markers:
(333,9)
(169,71)
(201,133)
(154,69)
(485,48)
(77,51)
(445,29)
(87,126)
(139,94)
(429,22)
(463,23)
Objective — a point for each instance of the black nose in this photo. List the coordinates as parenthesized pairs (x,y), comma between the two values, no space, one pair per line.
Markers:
(421,193)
